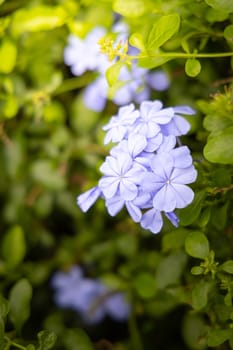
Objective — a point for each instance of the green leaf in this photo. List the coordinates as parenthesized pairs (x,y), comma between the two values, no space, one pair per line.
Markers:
(196,270)
(77,339)
(219,148)
(145,285)
(46,339)
(197,245)
(170,269)
(37,18)
(162,31)
(131,8)
(200,294)
(113,72)
(8,54)
(19,301)
(14,246)
(214,122)
(174,239)
(145,61)
(189,214)
(228,33)
(4,307)
(47,174)
(227,266)
(218,336)
(136,40)
(2,333)
(192,67)
(223,5)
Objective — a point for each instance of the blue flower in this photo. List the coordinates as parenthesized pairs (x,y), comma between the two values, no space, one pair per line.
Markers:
(89,297)
(145,172)
(122,176)
(168,182)
(84,54)
(119,125)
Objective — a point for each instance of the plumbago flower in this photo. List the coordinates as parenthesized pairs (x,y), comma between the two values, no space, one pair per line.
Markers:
(146,171)
(83,54)
(89,297)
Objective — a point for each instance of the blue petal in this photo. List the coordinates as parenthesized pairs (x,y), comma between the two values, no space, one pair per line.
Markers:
(152,220)
(87,199)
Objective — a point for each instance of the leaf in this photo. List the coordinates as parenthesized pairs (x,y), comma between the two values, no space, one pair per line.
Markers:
(14,246)
(189,214)
(223,5)
(218,336)
(113,72)
(46,339)
(136,40)
(131,8)
(174,239)
(145,61)
(228,33)
(162,31)
(2,333)
(227,266)
(8,54)
(170,270)
(19,301)
(145,285)
(77,339)
(219,147)
(200,294)
(192,67)
(47,174)
(4,307)
(197,245)
(37,18)
(214,122)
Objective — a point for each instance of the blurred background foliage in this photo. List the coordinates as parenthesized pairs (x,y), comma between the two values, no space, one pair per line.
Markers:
(179,283)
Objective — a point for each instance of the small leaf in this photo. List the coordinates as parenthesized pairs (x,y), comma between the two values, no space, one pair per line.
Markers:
(162,31)
(189,214)
(200,294)
(228,33)
(4,307)
(227,266)
(77,339)
(145,285)
(219,147)
(192,67)
(223,5)
(197,245)
(136,40)
(196,270)
(145,61)
(20,298)
(8,54)
(218,336)
(131,8)
(113,72)
(37,18)
(14,246)
(46,339)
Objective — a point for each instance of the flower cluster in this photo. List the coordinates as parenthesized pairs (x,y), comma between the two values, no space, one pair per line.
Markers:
(89,297)
(83,54)
(146,171)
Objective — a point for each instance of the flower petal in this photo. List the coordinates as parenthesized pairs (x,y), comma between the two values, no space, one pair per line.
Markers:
(88,198)
(152,220)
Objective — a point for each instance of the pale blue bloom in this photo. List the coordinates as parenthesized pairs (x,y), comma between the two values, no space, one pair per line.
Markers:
(122,176)
(83,54)
(89,297)
(158,81)
(168,182)
(146,172)
(118,126)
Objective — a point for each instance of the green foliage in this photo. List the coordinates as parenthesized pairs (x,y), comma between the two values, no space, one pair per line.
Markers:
(51,146)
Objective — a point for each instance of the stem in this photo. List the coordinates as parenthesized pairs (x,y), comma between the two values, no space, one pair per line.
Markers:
(12,343)
(183,55)
(134,332)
